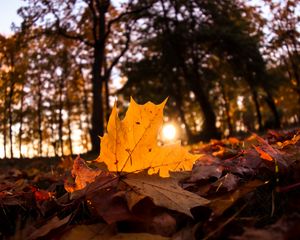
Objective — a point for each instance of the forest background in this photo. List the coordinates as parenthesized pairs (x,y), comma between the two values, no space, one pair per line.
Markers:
(229,67)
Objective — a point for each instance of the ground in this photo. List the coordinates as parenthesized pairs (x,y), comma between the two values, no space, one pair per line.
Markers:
(240,188)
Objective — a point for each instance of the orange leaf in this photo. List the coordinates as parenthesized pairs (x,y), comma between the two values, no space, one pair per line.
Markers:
(130,145)
(82,174)
(263,154)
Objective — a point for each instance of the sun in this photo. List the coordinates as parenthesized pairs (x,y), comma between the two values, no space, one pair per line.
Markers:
(169,132)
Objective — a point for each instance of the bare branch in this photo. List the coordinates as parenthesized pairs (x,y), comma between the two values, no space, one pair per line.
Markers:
(95,19)
(122,15)
(116,60)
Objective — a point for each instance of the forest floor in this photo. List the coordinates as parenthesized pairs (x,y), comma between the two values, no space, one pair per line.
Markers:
(250,189)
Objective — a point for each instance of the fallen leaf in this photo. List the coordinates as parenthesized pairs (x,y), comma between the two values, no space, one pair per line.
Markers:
(130,145)
(82,174)
(66,163)
(108,204)
(220,204)
(43,195)
(287,227)
(138,236)
(233,140)
(275,154)
(100,231)
(229,181)
(104,180)
(133,198)
(163,224)
(293,141)
(224,152)
(165,192)
(263,154)
(52,224)
(201,171)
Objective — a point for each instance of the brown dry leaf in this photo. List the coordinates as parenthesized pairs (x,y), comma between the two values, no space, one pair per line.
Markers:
(52,224)
(133,198)
(82,174)
(206,171)
(100,231)
(293,141)
(229,181)
(110,205)
(104,180)
(165,192)
(287,227)
(220,204)
(275,154)
(130,145)
(138,236)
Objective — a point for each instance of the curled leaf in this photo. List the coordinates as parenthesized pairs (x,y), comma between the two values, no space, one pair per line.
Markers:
(82,174)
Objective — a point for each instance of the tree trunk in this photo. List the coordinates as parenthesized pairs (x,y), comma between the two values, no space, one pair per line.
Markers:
(97,108)
(257,109)
(39,113)
(295,71)
(5,120)
(271,103)
(209,128)
(53,133)
(60,118)
(99,32)
(227,108)
(69,126)
(107,107)
(10,111)
(70,136)
(21,121)
(175,88)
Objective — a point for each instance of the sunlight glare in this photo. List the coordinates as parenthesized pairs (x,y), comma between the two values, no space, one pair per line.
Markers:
(169,132)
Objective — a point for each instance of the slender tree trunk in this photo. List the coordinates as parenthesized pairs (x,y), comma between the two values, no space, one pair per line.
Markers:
(175,88)
(53,133)
(21,121)
(271,103)
(70,136)
(97,114)
(60,117)
(4,139)
(209,124)
(85,101)
(227,108)
(69,127)
(295,70)
(39,113)
(86,130)
(257,108)
(209,128)
(5,121)
(107,94)
(107,107)
(10,111)
(84,135)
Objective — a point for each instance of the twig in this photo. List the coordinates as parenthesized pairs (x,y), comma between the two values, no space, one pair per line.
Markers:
(225,223)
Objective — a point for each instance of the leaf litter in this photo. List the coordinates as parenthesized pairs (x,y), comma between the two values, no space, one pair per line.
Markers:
(225,189)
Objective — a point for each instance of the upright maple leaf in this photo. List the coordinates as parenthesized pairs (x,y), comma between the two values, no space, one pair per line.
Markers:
(130,145)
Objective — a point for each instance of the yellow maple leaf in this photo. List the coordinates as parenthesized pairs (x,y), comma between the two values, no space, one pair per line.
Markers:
(130,145)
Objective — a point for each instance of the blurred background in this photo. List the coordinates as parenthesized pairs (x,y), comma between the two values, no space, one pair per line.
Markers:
(229,67)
